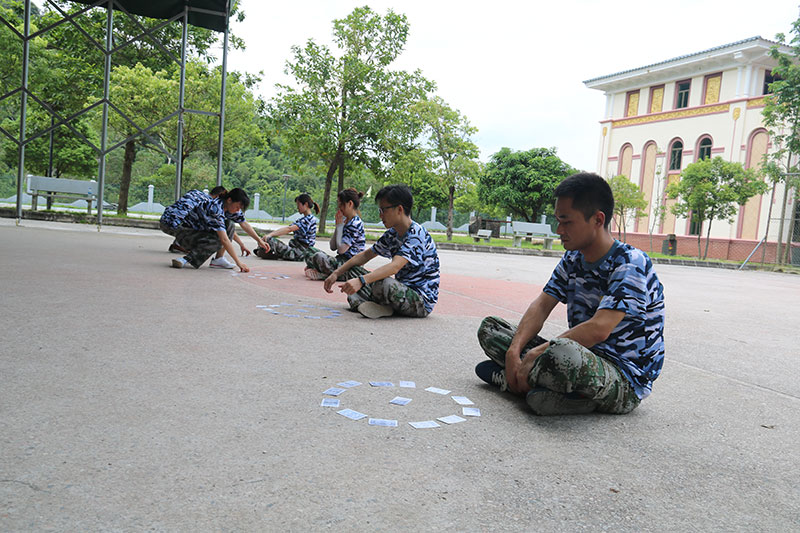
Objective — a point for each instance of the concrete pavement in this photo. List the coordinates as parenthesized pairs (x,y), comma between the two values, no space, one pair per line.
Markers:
(136,396)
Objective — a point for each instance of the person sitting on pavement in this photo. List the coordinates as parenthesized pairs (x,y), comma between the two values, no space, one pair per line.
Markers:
(303,240)
(348,240)
(614,348)
(414,289)
(198,223)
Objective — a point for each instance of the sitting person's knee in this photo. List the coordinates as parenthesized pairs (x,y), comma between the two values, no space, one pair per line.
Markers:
(561,354)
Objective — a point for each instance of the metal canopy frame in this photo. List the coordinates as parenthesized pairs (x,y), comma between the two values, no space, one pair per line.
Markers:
(203,13)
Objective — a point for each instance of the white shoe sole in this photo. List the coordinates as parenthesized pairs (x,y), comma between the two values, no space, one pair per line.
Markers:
(374,310)
(212,265)
(177,263)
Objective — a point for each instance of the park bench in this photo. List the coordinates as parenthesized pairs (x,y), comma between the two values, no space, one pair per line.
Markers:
(485,234)
(526,230)
(50,187)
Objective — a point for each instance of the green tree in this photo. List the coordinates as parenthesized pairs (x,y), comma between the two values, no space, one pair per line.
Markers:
(415,168)
(629,203)
(351,106)
(711,189)
(523,182)
(450,148)
(782,117)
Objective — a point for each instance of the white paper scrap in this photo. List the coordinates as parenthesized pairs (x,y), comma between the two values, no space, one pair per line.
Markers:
(333,391)
(470,411)
(424,424)
(330,402)
(437,390)
(462,400)
(408,384)
(399,400)
(352,415)
(452,419)
(350,383)
(383,422)
(381,383)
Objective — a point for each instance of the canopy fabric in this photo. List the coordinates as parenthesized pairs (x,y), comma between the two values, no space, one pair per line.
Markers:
(166,9)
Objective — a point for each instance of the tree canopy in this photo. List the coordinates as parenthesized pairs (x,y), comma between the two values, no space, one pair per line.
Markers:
(523,182)
(629,202)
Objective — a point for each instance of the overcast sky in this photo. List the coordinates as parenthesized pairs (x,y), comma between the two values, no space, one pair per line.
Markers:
(515,69)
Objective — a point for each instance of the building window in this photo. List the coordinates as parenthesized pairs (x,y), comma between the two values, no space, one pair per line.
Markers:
(704,149)
(682,94)
(632,104)
(675,154)
(656,99)
(712,89)
(694,225)
(769,77)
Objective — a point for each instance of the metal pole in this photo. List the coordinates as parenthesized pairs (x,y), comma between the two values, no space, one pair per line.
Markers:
(23,112)
(285,186)
(101,179)
(222,99)
(179,155)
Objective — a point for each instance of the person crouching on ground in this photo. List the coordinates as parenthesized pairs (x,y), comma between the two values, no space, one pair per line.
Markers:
(198,224)
(305,235)
(614,350)
(347,241)
(414,290)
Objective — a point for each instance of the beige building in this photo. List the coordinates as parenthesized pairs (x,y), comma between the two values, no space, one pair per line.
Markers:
(661,117)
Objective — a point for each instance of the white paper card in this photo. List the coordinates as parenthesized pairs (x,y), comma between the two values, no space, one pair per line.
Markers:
(383,422)
(408,384)
(452,419)
(470,411)
(462,400)
(399,400)
(352,415)
(437,390)
(381,383)
(333,391)
(424,424)
(350,383)
(330,402)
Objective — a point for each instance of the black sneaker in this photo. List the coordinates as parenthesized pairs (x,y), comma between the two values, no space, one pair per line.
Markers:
(492,373)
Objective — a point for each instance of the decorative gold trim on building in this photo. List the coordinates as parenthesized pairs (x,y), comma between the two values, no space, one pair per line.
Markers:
(737,112)
(671,115)
(756,102)
(605,131)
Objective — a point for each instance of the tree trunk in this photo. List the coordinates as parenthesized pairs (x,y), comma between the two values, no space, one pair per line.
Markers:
(790,235)
(340,185)
(125,180)
(326,199)
(769,219)
(708,238)
(450,199)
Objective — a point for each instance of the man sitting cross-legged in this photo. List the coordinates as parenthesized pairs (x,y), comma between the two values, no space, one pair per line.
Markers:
(414,289)
(608,359)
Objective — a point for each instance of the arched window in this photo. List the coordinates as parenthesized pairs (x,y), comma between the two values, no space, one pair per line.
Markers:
(704,148)
(675,155)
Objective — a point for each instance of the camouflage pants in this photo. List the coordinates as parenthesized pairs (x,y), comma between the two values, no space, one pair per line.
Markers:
(565,368)
(294,251)
(388,291)
(325,264)
(201,244)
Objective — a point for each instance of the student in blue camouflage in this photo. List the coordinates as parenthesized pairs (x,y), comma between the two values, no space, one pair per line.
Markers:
(414,289)
(198,223)
(303,240)
(348,240)
(614,350)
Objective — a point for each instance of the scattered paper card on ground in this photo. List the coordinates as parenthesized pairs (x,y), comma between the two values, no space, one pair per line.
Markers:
(437,390)
(452,419)
(425,424)
(352,415)
(462,400)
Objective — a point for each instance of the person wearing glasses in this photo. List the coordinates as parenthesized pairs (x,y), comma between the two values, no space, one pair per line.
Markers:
(414,289)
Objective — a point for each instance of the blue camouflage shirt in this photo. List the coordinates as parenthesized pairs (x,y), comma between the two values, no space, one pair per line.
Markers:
(623,280)
(196,210)
(306,231)
(353,235)
(237,217)
(421,273)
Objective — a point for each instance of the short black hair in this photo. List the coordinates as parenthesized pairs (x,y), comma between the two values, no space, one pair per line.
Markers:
(216,191)
(590,193)
(397,195)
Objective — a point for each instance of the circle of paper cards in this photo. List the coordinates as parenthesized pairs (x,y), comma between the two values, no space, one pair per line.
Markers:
(332,399)
(313,312)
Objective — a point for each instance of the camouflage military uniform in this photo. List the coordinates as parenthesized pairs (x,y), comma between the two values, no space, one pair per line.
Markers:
(567,374)
(388,291)
(325,264)
(294,251)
